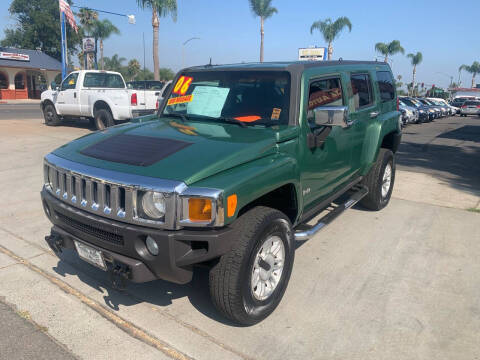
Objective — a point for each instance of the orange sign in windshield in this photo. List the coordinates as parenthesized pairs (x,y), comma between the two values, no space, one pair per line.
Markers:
(182,85)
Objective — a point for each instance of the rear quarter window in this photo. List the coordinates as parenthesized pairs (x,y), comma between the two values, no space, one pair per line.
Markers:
(385,85)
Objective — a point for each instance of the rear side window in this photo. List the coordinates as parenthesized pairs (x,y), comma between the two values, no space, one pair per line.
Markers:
(385,85)
(103,80)
(361,90)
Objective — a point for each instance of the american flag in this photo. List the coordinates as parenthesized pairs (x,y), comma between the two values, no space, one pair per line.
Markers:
(65,8)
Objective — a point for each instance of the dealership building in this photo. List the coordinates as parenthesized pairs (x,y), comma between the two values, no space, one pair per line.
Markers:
(24,74)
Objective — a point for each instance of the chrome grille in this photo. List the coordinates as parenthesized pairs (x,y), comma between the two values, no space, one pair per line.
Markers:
(94,195)
(114,194)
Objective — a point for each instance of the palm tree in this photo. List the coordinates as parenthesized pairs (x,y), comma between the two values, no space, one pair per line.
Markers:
(87,19)
(415,59)
(391,48)
(102,30)
(263,10)
(473,69)
(160,8)
(114,63)
(133,69)
(330,30)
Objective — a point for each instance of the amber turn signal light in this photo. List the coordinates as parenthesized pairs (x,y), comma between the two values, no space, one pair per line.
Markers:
(231,205)
(199,209)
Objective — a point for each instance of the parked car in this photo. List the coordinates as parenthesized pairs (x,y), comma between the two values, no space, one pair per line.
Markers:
(227,175)
(459,101)
(446,110)
(146,84)
(470,107)
(410,113)
(424,112)
(437,112)
(101,96)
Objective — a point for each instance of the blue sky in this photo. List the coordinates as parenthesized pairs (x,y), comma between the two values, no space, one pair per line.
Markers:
(444,31)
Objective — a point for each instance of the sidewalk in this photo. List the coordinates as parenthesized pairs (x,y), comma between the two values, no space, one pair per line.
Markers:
(20,102)
(22,339)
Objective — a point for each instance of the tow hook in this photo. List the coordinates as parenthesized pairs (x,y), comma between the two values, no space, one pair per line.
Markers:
(55,242)
(119,274)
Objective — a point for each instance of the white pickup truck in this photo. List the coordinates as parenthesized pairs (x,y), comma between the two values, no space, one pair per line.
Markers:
(101,96)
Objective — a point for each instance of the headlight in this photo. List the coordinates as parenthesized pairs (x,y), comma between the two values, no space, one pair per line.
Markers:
(153,205)
(420,111)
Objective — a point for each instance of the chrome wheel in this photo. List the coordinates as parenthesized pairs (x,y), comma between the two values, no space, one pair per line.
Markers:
(267,268)
(387,180)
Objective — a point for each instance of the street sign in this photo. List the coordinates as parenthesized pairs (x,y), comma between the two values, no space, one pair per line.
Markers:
(312,54)
(14,56)
(88,45)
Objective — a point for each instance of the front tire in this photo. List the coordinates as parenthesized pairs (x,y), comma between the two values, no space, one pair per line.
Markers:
(50,115)
(103,119)
(379,181)
(249,281)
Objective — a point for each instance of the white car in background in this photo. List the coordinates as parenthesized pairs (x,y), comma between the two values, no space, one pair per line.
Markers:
(470,107)
(101,96)
(452,109)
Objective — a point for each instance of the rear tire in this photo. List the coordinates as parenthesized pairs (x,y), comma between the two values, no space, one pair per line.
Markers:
(50,115)
(379,181)
(103,119)
(249,281)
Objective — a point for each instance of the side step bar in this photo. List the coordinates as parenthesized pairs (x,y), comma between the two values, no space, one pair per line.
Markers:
(360,192)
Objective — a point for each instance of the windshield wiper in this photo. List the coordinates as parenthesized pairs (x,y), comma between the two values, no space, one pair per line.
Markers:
(180,116)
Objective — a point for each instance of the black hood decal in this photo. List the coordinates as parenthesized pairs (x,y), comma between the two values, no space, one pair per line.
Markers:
(134,149)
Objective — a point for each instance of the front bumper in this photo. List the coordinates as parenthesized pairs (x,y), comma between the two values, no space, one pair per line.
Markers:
(124,244)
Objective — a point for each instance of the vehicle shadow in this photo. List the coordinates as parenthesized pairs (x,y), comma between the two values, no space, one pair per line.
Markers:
(160,293)
(458,166)
(77,123)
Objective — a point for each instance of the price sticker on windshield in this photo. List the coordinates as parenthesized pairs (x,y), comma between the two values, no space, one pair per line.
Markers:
(182,85)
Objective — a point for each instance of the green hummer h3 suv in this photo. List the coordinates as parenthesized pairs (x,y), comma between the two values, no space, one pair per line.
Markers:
(228,174)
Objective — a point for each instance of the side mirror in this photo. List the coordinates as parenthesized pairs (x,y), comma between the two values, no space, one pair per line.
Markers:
(57,88)
(330,116)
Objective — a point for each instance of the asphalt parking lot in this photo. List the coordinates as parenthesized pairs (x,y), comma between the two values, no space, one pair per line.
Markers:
(397,284)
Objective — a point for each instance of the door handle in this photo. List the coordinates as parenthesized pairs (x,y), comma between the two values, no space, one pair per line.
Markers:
(374,114)
(75,95)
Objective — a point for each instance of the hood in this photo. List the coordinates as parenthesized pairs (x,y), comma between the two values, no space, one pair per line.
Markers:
(170,149)
(49,94)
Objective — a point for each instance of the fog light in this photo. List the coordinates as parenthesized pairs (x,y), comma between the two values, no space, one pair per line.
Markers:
(151,246)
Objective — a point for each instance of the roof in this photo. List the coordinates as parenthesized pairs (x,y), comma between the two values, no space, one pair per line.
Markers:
(284,65)
(464,89)
(38,60)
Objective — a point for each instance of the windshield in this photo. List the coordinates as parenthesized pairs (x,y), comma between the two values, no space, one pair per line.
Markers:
(423,101)
(249,97)
(410,102)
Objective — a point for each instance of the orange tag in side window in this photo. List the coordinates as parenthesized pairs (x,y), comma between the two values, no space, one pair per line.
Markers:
(182,85)
(276,113)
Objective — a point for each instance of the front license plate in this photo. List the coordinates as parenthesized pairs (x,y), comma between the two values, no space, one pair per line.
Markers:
(90,255)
